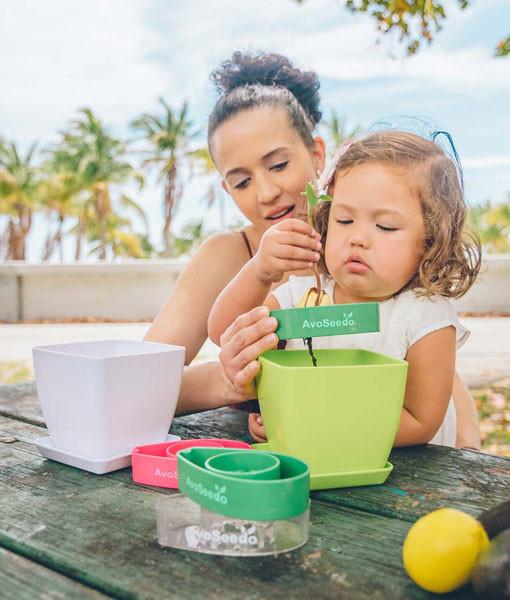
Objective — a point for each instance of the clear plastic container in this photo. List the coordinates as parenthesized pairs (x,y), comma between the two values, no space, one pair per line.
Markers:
(184,524)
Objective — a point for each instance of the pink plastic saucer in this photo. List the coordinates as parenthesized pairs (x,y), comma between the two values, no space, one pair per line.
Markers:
(156,464)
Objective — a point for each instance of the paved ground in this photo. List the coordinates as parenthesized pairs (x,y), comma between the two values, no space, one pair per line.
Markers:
(484,358)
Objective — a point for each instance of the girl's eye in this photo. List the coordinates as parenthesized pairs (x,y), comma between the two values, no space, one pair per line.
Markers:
(385,228)
(242,184)
(344,221)
(280,166)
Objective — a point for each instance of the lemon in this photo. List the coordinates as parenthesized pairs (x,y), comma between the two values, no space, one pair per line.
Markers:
(441,549)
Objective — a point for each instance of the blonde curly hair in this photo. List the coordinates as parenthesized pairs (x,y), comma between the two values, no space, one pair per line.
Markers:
(451,257)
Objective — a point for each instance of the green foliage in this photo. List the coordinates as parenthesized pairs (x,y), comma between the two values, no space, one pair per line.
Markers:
(191,237)
(312,200)
(414,21)
(337,132)
(491,221)
(84,164)
(503,47)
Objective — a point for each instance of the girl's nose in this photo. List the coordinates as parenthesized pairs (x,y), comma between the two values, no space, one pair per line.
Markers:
(359,238)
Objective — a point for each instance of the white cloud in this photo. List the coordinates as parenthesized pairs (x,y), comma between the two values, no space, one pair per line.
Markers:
(65,55)
(486,162)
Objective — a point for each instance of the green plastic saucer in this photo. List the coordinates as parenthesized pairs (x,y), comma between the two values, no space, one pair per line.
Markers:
(342,479)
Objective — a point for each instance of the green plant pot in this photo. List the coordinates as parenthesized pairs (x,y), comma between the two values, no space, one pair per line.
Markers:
(340,417)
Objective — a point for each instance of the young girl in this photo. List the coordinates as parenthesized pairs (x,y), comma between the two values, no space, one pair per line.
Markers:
(393,234)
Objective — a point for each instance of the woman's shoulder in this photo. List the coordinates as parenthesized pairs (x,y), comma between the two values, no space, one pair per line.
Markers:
(218,259)
(228,245)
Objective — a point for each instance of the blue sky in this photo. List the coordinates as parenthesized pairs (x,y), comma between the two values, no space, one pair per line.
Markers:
(118,57)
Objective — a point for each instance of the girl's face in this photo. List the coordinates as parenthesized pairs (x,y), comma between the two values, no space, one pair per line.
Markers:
(375,234)
(265,165)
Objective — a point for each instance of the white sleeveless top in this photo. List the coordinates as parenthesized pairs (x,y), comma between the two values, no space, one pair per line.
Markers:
(404,319)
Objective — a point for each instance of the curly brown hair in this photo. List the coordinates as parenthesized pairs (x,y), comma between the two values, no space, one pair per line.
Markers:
(451,254)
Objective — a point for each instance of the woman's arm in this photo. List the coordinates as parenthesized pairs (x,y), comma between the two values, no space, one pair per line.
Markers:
(429,386)
(468,425)
(183,319)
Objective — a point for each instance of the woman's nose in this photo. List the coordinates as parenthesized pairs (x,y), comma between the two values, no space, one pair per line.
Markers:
(267,191)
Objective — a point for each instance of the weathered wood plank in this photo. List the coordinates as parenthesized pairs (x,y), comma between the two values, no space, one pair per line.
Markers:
(427,477)
(424,477)
(20,402)
(22,579)
(101,531)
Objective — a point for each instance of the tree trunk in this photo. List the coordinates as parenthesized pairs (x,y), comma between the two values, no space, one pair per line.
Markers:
(18,230)
(103,209)
(169,206)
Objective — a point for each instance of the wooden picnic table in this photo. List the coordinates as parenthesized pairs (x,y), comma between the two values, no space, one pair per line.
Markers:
(65,533)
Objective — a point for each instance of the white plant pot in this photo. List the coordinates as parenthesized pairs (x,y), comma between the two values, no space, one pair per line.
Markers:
(102,398)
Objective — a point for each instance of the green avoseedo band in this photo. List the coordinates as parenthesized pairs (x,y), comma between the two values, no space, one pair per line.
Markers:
(320,321)
(239,503)
(244,484)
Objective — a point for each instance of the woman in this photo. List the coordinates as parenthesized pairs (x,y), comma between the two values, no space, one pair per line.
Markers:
(261,140)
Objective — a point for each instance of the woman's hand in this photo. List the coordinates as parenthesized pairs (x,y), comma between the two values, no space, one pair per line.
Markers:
(291,245)
(243,342)
(256,427)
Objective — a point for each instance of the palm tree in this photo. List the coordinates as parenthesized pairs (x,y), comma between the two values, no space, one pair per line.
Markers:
(94,160)
(59,200)
(491,221)
(169,135)
(19,183)
(214,193)
(337,132)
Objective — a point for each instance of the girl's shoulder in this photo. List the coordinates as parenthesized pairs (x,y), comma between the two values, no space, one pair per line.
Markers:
(426,314)
(413,299)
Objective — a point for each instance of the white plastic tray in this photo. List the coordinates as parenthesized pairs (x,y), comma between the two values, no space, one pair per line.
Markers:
(100,466)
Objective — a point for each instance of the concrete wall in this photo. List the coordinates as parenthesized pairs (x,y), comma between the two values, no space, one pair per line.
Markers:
(137,289)
(491,292)
(130,290)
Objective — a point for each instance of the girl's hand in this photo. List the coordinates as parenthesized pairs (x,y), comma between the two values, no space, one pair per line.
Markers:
(242,343)
(291,245)
(256,427)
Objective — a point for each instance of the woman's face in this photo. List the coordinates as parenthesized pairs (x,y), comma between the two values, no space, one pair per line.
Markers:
(265,165)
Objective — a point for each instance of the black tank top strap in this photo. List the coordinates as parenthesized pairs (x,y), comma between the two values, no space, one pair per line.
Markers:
(246,241)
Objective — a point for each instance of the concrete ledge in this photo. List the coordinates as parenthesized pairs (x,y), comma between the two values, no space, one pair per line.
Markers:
(491,292)
(137,289)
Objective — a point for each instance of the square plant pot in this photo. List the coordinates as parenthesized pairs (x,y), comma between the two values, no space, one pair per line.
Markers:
(339,417)
(102,398)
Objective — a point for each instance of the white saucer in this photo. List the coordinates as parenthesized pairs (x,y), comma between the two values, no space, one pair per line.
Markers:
(100,466)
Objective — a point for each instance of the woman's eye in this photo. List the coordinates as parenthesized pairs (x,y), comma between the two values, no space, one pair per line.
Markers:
(344,221)
(280,166)
(386,228)
(242,184)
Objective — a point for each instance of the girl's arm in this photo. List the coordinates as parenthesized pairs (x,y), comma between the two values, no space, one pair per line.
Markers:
(183,319)
(288,246)
(246,291)
(429,386)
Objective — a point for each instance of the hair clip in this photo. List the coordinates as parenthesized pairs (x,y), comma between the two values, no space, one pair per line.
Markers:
(330,174)
(434,136)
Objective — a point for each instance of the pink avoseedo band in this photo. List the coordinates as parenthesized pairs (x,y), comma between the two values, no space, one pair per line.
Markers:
(156,464)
